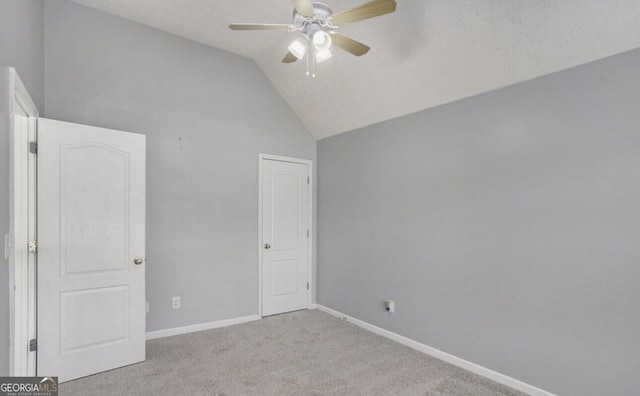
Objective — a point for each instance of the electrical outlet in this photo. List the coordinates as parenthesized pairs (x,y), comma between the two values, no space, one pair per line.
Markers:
(390,306)
(146,307)
(176,302)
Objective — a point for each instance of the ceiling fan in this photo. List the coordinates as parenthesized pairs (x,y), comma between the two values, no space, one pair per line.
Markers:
(318,24)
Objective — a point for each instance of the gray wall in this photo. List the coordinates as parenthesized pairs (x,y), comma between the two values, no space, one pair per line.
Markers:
(207,114)
(506,227)
(21,46)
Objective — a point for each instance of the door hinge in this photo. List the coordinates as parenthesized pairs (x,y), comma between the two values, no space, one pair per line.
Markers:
(307,179)
(33,246)
(307,285)
(33,147)
(307,233)
(33,345)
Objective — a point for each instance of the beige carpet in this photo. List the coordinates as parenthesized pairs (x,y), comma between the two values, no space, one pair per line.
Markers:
(300,353)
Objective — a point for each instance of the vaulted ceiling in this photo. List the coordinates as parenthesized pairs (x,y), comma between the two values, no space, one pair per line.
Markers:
(428,53)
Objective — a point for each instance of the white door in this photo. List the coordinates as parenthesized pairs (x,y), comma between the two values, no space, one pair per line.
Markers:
(285,236)
(91,240)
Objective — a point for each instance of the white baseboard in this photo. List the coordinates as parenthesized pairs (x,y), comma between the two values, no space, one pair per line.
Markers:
(456,361)
(199,327)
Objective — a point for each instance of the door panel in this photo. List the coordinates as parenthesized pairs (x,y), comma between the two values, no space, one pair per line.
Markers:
(285,277)
(84,189)
(285,225)
(91,193)
(81,334)
(286,209)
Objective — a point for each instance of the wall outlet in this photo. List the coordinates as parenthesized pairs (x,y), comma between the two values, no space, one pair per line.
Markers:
(390,306)
(146,307)
(176,303)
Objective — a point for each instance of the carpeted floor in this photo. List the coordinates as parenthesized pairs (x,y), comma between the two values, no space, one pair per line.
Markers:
(300,353)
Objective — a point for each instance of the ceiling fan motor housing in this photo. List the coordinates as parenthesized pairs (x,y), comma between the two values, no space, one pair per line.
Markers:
(310,25)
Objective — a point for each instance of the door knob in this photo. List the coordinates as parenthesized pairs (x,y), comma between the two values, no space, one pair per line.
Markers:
(138,260)
(267,246)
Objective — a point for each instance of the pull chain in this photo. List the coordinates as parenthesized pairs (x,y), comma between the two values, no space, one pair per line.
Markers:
(314,63)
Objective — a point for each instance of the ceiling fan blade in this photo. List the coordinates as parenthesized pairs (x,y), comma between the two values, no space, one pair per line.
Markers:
(352,46)
(368,10)
(305,8)
(258,26)
(290,58)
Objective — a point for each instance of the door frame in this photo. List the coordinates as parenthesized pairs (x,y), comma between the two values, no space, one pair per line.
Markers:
(22,228)
(268,157)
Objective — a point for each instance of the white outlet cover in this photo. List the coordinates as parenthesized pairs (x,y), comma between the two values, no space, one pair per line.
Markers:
(391,306)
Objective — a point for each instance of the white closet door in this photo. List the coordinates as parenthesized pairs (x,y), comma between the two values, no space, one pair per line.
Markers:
(285,234)
(91,235)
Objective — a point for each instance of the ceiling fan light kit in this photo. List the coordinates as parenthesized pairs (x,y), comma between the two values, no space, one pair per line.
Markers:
(321,40)
(318,24)
(323,55)
(299,46)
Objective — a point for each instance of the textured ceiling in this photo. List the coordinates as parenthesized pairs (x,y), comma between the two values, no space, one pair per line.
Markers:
(428,53)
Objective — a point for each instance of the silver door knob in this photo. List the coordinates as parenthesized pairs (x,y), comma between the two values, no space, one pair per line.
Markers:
(267,246)
(138,260)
